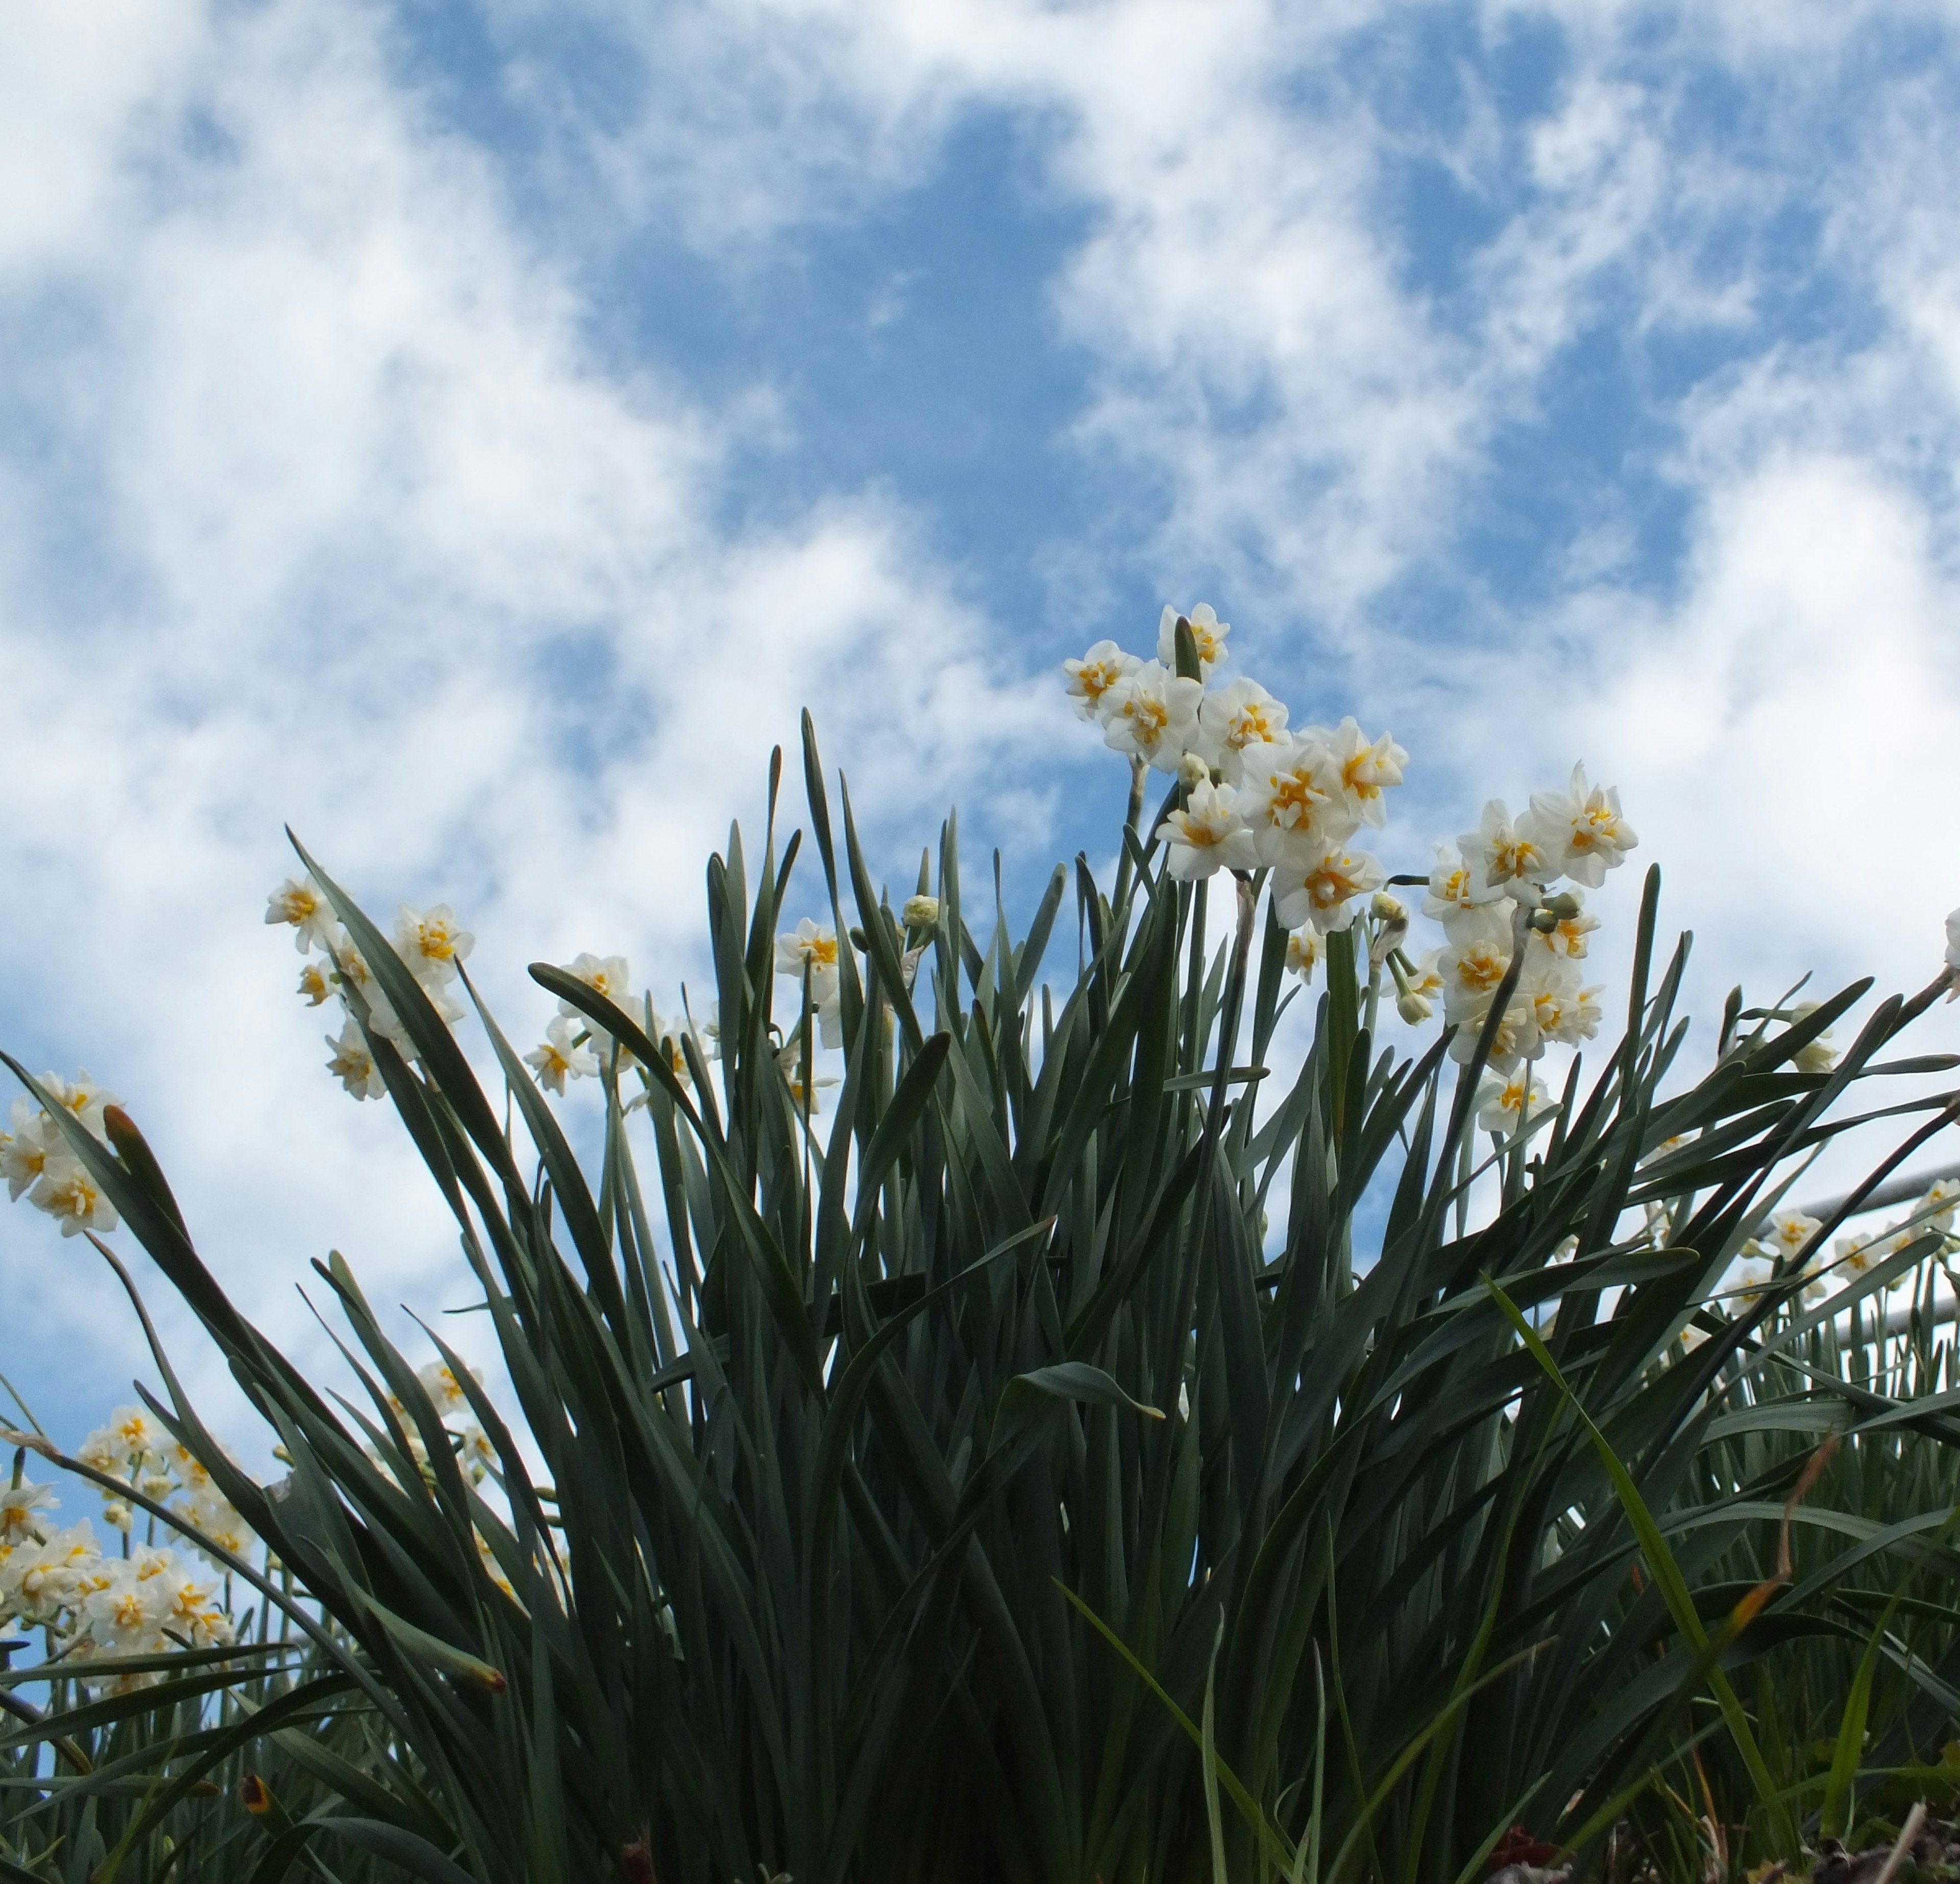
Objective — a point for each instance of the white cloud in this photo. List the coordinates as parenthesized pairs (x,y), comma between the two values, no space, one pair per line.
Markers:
(341,526)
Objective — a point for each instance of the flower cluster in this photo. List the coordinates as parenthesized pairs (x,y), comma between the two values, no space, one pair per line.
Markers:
(574,1048)
(1788,1246)
(146,1598)
(1253,794)
(430,941)
(37,1162)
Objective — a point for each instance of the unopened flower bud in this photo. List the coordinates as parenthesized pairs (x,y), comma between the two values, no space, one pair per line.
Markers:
(1385,908)
(921,912)
(116,1514)
(1414,1007)
(1563,906)
(1543,921)
(1192,770)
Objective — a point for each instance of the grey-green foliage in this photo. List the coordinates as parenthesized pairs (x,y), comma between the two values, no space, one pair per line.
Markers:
(809,1574)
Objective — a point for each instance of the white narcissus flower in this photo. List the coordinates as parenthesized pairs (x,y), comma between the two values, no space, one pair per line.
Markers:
(1303,952)
(1568,936)
(1505,1105)
(1475,962)
(1320,887)
(194,1615)
(25,1150)
(1941,1199)
(126,1617)
(605,975)
(315,985)
(1814,1055)
(301,902)
(1789,1231)
(353,1064)
(1292,798)
(1090,678)
(1558,1007)
(18,1505)
(1152,715)
(1207,835)
(790,1059)
(1207,631)
(1234,717)
(562,1055)
(1580,828)
(67,1191)
(1454,887)
(1753,1274)
(216,1524)
(809,949)
(1365,767)
(432,942)
(1509,856)
(445,1391)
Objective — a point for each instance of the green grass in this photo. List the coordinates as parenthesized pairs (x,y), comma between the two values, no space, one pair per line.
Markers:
(1043,1477)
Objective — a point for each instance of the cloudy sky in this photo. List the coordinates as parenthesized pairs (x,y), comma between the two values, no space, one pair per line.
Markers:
(471,434)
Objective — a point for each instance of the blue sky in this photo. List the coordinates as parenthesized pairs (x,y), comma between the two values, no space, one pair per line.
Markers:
(472,432)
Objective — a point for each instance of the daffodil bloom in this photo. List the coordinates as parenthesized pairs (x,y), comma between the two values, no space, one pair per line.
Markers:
(1505,1105)
(1753,1274)
(1292,799)
(791,1061)
(315,984)
(353,1064)
(1303,951)
(1581,830)
(1789,1231)
(1090,678)
(1510,857)
(1817,1055)
(1559,1009)
(1567,936)
(561,1055)
(1234,717)
(18,1504)
(1320,888)
(69,1194)
(1207,630)
(1152,714)
(1454,887)
(432,942)
(24,1151)
(1942,1198)
(1365,767)
(1207,835)
(1475,963)
(605,975)
(809,950)
(301,902)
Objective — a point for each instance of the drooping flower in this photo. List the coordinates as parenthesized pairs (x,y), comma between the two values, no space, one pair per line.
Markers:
(1365,767)
(24,1150)
(1581,830)
(353,1063)
(1238,715)
(1509,857)
(67,1191)
(315,984)
(1207,835)
(432,942)
(560,1055)
(1320,886)
(1303,952)
(1207,631)
(1292,798)
(1090,678)
(301,902)
(1152,714)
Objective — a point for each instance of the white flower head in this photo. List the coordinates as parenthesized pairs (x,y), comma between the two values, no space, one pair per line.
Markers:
(562,1055)
(67,1191)
(432,942)
(1366,768)
(1505,1105)
(19,1504)
(1817,1055)
(1292,799)
(1455,888)
(1475,963)
(1581,830)
(790,1059)
(353,1063)
(1567,936)
(1559,1009)
(301,902)
(605,975)
(1509,857)
(1789,1231)
(26,1148)
(1090,678)
(1207,630)
(1941,1199)
(1152,715)
(809,949)
(1752,1275)
(316,983)
(920,912)
(1207,835)
(1304,949)
(1321,887)
(1234,717)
